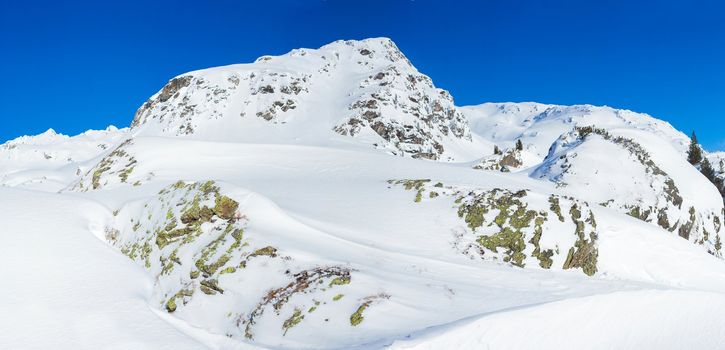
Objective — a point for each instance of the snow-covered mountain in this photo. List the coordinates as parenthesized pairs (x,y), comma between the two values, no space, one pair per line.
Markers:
(366,90)
(620,159)
(335,198)
(53,161)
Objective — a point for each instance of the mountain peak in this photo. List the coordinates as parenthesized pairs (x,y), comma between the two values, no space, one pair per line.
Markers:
(361,90)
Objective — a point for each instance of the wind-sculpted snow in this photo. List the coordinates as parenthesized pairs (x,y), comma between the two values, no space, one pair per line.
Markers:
(196,243)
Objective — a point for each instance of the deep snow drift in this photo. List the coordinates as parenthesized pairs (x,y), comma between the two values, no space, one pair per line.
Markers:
(335,198)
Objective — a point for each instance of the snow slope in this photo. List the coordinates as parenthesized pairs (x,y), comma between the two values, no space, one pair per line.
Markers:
(334,198)
(65,288)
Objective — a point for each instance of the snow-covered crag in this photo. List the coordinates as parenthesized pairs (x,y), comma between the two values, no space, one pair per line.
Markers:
(335,198)
(360,89)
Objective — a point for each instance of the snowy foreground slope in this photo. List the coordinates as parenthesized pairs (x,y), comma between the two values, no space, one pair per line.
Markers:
(335,198)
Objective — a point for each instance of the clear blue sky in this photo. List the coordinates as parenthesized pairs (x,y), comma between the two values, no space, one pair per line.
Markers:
(77,65)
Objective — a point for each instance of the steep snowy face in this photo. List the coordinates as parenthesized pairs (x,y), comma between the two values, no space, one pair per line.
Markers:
(539,125)
(639,174)
(51,160)
(366,91)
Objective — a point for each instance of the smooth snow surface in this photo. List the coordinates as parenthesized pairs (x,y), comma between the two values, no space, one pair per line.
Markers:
(66,289)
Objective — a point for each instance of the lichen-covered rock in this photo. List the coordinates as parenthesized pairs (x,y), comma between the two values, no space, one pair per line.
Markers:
(521,228)
(117,167)
(193,238)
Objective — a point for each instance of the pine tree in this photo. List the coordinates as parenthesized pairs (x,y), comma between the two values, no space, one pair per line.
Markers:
(519,145)
(694,153)
(707,170)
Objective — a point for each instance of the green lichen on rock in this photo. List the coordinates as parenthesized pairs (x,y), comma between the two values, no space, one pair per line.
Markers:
(111,161)
(512,216)
(164,237)
(293,320)
(512,241)
(338,297)
(555,207)
(307,281)
(171,303)
(210,287)
(266,251)
(208,251)
(230,269)
(125,173)
(417,185)
(195,213)
(544,256)
(339,281)
(357,317)
(511,230)
(472,213)
(584,254)
(209,187)
(225,207)
(173,230)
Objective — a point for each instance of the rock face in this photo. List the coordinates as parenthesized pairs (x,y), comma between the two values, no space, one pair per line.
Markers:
(508,160)
(405,109)
(365,90)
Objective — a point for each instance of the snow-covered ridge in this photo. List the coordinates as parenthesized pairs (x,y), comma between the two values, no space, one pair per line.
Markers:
(539,125)
(52,161)
(640,175)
